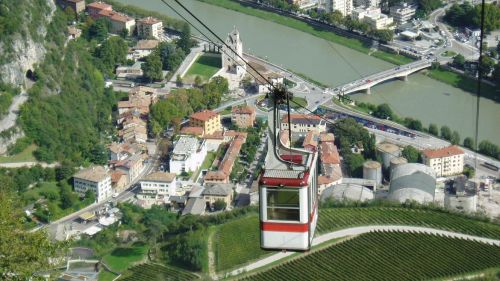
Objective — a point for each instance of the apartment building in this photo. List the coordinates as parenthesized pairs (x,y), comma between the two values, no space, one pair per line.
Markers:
(243,116)
(119,21)
(303,123)
(158,187)
(188,154)
(149,27)
(95,179)
(403,13)
(445,161)
(208,120)
(96,7)
(343,6)
(373,17)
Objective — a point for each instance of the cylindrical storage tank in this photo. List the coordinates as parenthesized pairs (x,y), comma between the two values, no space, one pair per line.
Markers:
(397,161)
(372,170)
(388,151)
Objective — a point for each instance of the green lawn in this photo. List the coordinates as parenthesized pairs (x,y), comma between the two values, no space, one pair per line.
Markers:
(392,58)
(388,256)
(237,242)
(106,276)
(123,257)
(298,102)
(448,54)
(230,253)
(463,82)
(25,156)
(209,159)
(205,66)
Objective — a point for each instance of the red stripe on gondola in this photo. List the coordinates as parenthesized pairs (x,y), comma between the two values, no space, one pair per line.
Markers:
(284,227)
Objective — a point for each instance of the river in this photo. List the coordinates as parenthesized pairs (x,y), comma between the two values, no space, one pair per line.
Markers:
(420,97)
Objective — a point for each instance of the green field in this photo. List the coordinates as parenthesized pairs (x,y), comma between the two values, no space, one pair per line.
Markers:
(337,218)
(230,235)
(237,242)
(205,67)
(25,156)
(106,276)
(388,256)
(298,102)
(147,272)
(122,258)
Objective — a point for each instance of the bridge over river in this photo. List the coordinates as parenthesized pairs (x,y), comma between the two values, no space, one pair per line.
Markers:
(365,83)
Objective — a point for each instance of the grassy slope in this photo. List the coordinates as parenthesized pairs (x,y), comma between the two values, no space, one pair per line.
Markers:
(106,276)
(247,229)
(24,156)
(205,67)
(122,258)
(388,256)
(150,271)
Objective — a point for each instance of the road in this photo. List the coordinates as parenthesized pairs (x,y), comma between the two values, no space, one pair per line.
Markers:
(10,120)
(357,231)
(28,164)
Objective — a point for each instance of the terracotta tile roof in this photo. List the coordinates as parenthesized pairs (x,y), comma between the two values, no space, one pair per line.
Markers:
(244,109)
(149,20)
(146,44)
(326,137)
(235,134)
(218,135)
(94,174)
(196,131)
(227,163)
(301,118)
(215,176)
(204,115)
(115,16)
(160,176)
(311,139)
(100,6)
(116,176)
(124,147)
(329,153)
(443,152)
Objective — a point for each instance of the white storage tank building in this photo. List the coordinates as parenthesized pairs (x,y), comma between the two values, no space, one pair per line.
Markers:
(372,170)
(412,182)
(397,161)
(347,192)
(388,151)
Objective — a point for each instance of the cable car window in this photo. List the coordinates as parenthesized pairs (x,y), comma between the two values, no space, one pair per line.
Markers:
(283,205)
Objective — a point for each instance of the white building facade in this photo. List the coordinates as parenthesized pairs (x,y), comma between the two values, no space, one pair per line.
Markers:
(95,179)
(188,154)
(403,13)
(445,161)
(372,16)
(230,61)
(158,187)
(343,6)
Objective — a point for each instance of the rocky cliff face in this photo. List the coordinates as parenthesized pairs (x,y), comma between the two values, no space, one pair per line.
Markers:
(25,53)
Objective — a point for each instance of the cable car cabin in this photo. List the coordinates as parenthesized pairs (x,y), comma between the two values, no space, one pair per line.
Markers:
(288,200)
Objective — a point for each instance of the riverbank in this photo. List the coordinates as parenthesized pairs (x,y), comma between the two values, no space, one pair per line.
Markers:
(323,33)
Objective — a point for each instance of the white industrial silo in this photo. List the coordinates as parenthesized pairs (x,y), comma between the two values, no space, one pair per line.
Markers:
(372,170)
(397,161)
(388,151)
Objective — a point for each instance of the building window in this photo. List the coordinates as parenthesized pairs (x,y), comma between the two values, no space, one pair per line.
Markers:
(283,204)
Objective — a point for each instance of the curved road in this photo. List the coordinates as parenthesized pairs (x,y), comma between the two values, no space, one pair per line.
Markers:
(361,230)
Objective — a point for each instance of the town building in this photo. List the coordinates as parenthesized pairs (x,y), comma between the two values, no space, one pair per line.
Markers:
(263,85)
(311,140)
(139,98)
(142,49)
(445,161)
(138,134)
(232,62)
(367,3)
(157,188)
(403,12)
(343,6)
(77,6)
(243,116)
(222,175)
(188,154)
(303,123)
(193,131)
(95,179)
(149,27)
(119,181)
(218,191)
(74,33)
(330,171)
(208,120)
(129,71)
(372,16)
(122,151)
(96,7)
(132,166)
(461,196)
(119,21)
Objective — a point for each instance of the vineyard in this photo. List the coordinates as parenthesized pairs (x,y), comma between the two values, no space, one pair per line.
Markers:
(237,242)
(337,218)
(388,256)
(146,272)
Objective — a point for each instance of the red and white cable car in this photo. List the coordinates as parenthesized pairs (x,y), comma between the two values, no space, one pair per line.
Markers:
(288,194)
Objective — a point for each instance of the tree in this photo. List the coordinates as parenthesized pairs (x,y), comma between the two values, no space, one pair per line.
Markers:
(152,68)
(487,148)
(487,65)
(433,129)
(68,198)
(354,163)
(469,142)
(179,81)
(469,172)
(455,138)
(446,133)
(220,205)
(171,56)
(197,81)
(98,30)
(411,154)
(70,13)
(184,41)
(459,61)
(65,170)
(384,35)
(23,252)
(491,16)
(383,111)
(99,154)
(496,74)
